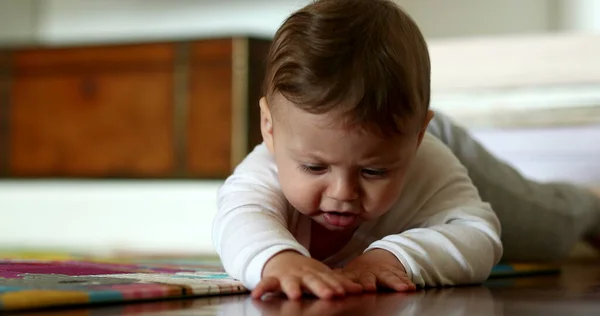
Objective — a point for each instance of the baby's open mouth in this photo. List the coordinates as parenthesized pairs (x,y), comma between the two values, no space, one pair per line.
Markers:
(340,219)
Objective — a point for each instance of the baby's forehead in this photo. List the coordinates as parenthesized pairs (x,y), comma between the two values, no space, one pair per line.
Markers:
(298,120)
(287,111)
(333,122)
(339,141)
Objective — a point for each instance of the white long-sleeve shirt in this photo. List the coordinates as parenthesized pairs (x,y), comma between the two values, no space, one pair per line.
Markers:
(439,229)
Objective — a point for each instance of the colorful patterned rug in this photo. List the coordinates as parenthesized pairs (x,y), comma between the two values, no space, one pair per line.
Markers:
(40,280)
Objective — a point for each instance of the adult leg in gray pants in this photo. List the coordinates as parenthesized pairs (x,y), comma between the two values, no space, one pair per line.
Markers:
(540,221)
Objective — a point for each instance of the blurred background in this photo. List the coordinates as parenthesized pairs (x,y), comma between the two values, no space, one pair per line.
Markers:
(119,119)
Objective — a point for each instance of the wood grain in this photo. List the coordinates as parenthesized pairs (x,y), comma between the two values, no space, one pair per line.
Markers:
(210,110)
(120,56)
(92,112)
(5,79)
(158,110)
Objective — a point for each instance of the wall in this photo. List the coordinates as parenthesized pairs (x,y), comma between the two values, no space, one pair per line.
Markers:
(68,21)
(465,18)
(18,22)
(579,15)
(81,21)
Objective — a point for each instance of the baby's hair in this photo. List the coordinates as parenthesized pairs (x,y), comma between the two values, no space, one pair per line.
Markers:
(366,58)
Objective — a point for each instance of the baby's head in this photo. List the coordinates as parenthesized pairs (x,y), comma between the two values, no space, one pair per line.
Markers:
(345,107)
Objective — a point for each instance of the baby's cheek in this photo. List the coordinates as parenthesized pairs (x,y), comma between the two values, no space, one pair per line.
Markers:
(380,200)
(303,195)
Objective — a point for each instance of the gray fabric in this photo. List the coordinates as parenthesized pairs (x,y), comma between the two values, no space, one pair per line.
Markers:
(540,221)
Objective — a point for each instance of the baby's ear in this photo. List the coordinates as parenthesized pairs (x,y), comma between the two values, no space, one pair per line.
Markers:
(266,124)
(428,117)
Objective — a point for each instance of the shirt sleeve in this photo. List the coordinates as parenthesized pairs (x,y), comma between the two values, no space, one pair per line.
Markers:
(454,238)
(251,224)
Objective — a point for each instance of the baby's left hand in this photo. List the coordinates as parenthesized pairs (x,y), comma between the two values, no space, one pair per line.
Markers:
(378,268)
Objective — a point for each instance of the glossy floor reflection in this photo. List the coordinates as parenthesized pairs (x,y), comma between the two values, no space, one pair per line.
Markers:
(576,291)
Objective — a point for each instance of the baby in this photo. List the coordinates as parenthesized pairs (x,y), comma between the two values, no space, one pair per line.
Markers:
(358,185)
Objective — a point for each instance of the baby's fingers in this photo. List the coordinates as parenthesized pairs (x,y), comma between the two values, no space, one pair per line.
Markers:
(368,281)
(340,283)
(349,285)
(318,286)
(291,286)
(333,282)
(348,281)
(395,282)
(356,282)
(265,286)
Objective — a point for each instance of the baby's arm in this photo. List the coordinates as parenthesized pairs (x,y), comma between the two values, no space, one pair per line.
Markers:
(250,234)
(455,237)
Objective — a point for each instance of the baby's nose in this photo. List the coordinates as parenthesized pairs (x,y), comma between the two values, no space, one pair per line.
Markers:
(343,190)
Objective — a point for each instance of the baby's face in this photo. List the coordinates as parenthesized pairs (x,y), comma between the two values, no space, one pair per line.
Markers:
(339,176)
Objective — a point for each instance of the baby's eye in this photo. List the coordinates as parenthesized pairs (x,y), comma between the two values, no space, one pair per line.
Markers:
(375,173)
(313,168)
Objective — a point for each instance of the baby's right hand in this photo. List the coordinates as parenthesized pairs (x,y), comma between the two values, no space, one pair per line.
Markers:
(292,273)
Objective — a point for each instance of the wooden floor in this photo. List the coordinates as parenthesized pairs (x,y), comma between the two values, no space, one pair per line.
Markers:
(575,291)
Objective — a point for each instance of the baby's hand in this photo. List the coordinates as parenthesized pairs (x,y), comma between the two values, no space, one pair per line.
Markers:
(291,273)
(378,268)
